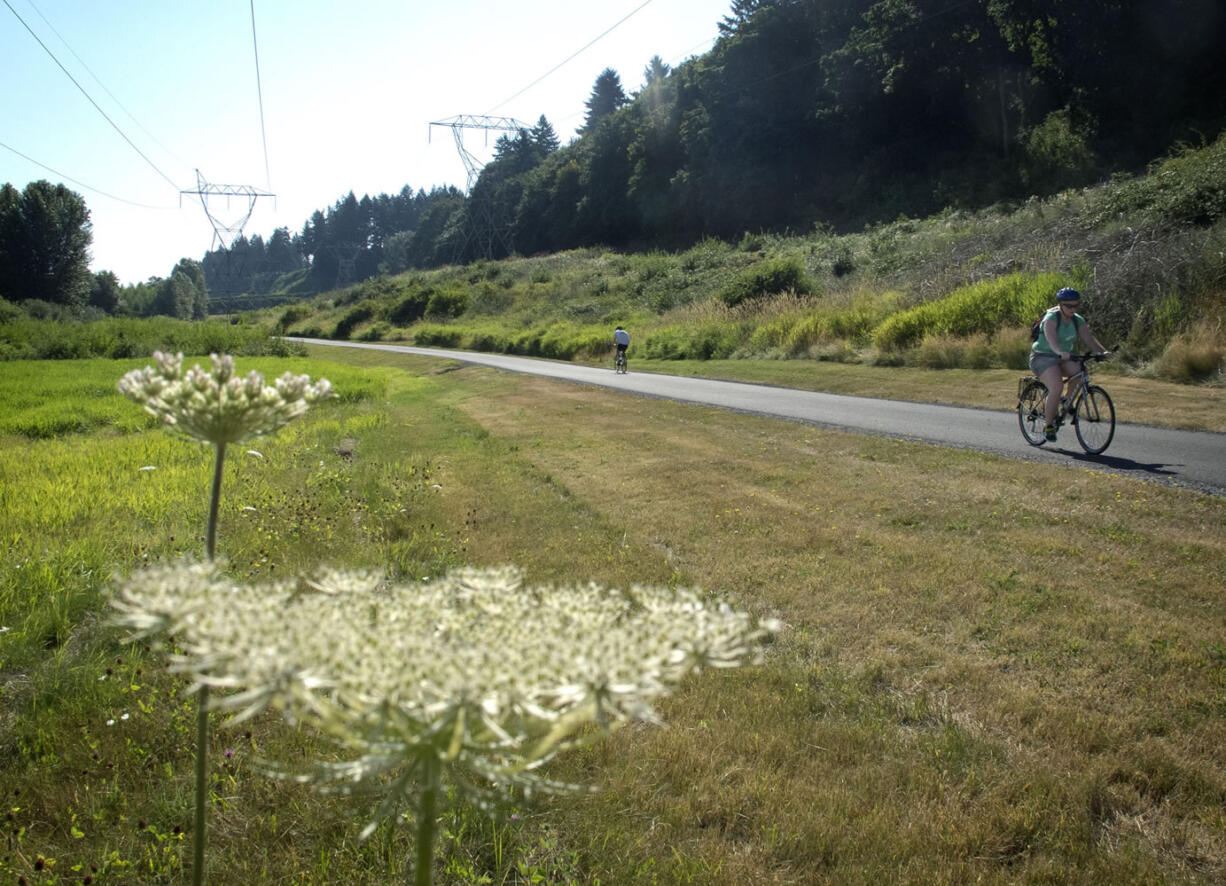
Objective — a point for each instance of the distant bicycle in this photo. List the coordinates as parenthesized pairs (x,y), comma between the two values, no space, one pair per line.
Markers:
(1090,409)
(619,362)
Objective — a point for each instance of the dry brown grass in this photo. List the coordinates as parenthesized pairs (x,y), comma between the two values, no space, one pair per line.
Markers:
(993,671)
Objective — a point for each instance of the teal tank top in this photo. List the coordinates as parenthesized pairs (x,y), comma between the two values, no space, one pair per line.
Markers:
(1066,333)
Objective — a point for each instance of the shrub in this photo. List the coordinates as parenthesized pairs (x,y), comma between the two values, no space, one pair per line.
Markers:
(1193,356)
(948,352)
(1015,300)
(668,343)
(292,315)
(433,336)
(488,299)
(1010,349)
(411,308)
(706,342)
(358,315)
(447,303)
(1185,189)
(490,340)
(1055,153)
(767,278)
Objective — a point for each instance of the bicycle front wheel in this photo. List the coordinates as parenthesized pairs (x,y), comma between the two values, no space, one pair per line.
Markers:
(1095,420)
(1030,415)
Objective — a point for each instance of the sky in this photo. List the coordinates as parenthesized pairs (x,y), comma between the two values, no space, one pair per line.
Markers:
(131,102)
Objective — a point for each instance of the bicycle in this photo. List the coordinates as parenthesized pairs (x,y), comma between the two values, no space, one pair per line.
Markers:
(1090,409)
(619,362)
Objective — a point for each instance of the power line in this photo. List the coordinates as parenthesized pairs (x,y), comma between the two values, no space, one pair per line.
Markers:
(89,98)
(79,184)
(568,58)
(97,80)
(259,89)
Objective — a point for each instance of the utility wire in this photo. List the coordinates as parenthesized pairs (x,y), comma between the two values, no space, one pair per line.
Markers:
(259,89)
(97,80)
(567,59)
(79,184)
(87,96)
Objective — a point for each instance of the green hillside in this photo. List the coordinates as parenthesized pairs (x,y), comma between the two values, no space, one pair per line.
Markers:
(956,289)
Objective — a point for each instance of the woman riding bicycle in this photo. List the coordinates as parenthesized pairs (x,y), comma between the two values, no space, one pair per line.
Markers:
(1059,331)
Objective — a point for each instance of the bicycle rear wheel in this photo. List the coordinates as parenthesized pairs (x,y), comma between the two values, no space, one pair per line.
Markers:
(1095,420)
(1030,417)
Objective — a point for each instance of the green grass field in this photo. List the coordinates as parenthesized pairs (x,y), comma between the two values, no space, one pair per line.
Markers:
(990,671)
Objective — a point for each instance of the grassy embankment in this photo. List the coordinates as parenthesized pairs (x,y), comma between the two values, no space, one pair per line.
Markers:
(954,291)
(992,671)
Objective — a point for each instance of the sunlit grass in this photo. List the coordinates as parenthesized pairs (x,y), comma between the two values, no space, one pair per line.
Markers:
(992,670)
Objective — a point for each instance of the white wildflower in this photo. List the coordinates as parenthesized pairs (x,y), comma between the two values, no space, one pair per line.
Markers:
(218,407)
(473,672)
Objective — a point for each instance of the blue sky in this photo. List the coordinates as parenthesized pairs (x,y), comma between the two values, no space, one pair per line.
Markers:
(348,93)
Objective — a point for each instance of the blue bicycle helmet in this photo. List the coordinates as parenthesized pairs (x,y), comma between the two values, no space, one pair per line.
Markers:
(1068,294)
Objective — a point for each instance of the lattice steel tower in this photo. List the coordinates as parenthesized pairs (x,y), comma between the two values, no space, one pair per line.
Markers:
(483,227)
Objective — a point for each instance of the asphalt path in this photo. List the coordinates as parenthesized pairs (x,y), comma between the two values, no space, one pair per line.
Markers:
(1191,459)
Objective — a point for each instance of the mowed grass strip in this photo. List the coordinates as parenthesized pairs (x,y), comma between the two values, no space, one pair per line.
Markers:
(992,671)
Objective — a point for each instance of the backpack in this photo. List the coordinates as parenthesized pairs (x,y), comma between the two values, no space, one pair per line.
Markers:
(1036,328)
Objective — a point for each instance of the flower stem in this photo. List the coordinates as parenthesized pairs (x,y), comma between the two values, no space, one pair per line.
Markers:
(202,773)
(202,713)
(423,870)
(215,503)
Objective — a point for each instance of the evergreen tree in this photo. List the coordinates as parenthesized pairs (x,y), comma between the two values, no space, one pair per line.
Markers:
(655,72)
(607,96)
(742,11)
(544,137)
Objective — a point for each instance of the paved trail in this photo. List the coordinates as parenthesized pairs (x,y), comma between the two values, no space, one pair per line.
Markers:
(1194,459)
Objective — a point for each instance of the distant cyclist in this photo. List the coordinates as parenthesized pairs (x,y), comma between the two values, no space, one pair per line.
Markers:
(1059,331)
(621,340)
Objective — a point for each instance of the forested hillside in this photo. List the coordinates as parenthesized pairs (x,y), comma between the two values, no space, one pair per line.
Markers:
(805,113)
(806,116)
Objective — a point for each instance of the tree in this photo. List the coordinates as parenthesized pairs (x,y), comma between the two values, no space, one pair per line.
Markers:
(104,292)
(10,235)
(742,11)
(45,234)
(200,292)
(655,71)
(607,96)
(544,137)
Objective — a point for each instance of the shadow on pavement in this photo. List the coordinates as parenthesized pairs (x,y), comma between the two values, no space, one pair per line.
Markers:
(1156,469)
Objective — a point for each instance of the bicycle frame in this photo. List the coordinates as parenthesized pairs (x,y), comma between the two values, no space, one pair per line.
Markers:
(1088,407)
(1068,405)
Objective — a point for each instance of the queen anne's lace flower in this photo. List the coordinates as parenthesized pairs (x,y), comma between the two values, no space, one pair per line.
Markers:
(473,670)
(219,407)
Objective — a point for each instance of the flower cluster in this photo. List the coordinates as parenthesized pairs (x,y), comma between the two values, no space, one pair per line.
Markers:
(219,407)
(474,670)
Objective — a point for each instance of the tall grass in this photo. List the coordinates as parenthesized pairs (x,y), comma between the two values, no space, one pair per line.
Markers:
(1013,302)
(993,670)
(24,338)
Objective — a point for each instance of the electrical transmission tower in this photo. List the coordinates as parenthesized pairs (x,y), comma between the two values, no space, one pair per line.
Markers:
(483,227)
(346,255)
(460,122)
(225,230)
